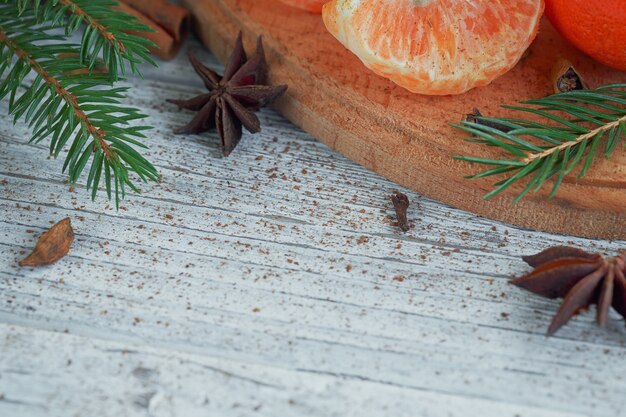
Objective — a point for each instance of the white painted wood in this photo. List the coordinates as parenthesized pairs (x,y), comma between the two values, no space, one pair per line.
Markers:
(273,283)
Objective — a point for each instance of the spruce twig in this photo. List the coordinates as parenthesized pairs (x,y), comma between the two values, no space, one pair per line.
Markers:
(106,31)
(52,85)
(587,136)
(565,133)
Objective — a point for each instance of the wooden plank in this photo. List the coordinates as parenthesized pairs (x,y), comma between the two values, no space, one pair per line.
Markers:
(407,137)
(139,380)
(278,287)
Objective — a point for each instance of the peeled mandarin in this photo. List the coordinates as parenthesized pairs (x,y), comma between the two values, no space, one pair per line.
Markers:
(436,47)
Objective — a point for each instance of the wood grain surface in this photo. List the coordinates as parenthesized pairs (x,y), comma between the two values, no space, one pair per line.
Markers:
(274,283)
(406,137)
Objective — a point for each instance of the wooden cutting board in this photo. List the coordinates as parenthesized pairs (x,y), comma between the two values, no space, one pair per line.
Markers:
(406,137)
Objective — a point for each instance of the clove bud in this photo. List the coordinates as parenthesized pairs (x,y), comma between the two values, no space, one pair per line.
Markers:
(477,117)
(401,204)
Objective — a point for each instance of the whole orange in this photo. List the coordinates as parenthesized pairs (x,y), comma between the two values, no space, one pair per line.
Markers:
(596,27)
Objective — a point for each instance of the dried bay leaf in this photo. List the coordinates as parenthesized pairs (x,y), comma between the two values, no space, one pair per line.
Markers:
(52,245)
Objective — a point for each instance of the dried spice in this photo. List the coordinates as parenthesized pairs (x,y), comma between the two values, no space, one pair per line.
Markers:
(52,245)
(232,98)
(477,117)
(401,204)
(581,278)
(566,78)
(556,252)
(98,69)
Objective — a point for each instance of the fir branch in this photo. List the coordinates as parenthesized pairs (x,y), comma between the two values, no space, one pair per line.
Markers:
(612,126)
(106,31)
(55,84)
(66,100)
(564,133)
(93,24)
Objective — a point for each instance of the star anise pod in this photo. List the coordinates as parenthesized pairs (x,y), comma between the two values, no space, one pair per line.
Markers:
(233,98)
(581,278)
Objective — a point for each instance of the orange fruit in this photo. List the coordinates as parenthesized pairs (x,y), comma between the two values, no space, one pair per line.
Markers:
(597,28)
(436,46)
(314,6)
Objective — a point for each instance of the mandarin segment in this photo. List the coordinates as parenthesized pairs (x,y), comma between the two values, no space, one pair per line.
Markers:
(436,47)
(314,6)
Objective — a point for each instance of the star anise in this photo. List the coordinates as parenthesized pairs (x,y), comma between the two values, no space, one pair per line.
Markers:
(581,278)
(232,98)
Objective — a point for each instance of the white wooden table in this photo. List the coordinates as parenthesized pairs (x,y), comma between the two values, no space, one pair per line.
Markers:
(273,283)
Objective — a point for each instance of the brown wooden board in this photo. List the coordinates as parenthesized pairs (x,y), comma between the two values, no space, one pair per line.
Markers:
(406,137)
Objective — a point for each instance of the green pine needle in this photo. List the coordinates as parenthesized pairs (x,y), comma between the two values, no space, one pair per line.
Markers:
(68,102)
(565,133)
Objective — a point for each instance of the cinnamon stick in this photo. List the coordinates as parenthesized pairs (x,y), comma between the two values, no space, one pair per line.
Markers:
(98,69)
(166,46)
(174,19)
